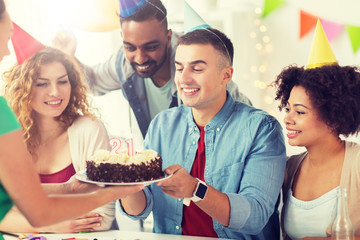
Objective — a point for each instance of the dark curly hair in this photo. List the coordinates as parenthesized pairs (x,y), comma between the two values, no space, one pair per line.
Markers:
(333,90)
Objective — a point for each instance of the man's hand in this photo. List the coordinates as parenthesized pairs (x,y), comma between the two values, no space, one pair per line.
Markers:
(65,41)
(180,185)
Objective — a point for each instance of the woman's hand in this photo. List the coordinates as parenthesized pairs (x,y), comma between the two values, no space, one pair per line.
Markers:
(85,223)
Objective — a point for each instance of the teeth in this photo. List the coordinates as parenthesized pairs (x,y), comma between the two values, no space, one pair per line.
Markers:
(187,90)
(143,67)
(293,132)
(53,102)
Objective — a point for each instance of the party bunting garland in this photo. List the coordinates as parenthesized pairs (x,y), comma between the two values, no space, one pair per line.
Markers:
(331,29)
(308,23)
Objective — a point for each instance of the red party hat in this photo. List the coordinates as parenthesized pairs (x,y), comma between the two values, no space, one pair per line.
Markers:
(25,46)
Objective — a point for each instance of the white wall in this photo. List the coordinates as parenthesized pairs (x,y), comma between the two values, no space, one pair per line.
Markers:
(256,62)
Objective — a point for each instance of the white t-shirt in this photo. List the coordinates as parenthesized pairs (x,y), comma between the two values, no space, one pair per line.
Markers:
(158,98)
(309,218)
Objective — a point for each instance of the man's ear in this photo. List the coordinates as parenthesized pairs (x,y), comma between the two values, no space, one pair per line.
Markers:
(169,34)
(227,74)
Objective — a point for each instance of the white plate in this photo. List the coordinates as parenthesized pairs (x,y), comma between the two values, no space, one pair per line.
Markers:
(81,176)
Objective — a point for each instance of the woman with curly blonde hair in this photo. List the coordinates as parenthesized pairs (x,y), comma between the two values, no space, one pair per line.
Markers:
(21,81)
(48,95)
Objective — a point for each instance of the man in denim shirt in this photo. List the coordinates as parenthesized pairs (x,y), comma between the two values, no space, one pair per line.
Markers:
(226,156)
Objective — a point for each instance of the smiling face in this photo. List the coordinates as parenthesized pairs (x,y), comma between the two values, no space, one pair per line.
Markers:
(303,124)
(51,91)
(6,29)
(146,46)
(200,83)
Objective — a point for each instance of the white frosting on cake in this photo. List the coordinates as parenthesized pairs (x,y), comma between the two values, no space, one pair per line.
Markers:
(104,156)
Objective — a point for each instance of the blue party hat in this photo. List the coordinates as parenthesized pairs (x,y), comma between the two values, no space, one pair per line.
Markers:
(192,20)
(129,7)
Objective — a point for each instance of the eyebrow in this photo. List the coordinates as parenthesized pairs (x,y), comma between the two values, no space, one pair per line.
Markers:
(46,79)
(193,62)
(148,43)
(298,105)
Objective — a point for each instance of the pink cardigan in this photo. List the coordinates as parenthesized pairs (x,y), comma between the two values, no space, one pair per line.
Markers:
(350,179)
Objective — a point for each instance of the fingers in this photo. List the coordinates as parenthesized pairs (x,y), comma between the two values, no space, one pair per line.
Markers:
(66,41)
(90,215)
(180,185)
(172,169)
(86,223)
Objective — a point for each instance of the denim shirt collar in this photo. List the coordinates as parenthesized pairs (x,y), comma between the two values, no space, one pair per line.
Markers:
(220,118)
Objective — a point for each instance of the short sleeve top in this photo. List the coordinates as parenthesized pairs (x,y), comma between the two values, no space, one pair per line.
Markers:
(8,123)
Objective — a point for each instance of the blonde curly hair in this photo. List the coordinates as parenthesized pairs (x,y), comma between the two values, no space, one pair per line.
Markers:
(20,79)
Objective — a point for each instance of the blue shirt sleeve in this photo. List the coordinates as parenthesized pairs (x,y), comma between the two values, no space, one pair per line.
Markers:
(252,207)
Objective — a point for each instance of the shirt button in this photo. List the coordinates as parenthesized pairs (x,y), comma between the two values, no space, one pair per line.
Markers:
(130,86)
(177,227)
(194,142)
(139,110)
(218,129)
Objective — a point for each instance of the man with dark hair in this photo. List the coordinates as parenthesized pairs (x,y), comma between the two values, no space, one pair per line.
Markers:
(144,66)
(227,159)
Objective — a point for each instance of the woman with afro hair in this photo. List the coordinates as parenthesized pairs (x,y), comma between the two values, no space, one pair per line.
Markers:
(322,106)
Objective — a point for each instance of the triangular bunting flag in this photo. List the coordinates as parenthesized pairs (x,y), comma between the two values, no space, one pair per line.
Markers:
(354,34)
(331,29)
(307,23)
(25,46)
(271,5)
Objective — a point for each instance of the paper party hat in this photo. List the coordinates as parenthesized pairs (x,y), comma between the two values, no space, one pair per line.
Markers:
(321,53)
(192,20)
(129,7)
(25,46)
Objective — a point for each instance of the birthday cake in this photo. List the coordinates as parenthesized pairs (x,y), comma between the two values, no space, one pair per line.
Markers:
(122,168)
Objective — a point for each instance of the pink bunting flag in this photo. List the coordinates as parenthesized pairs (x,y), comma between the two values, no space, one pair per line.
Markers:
(331,29)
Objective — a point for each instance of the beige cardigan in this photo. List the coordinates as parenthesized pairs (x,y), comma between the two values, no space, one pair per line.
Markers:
(350,179)
(86,135)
